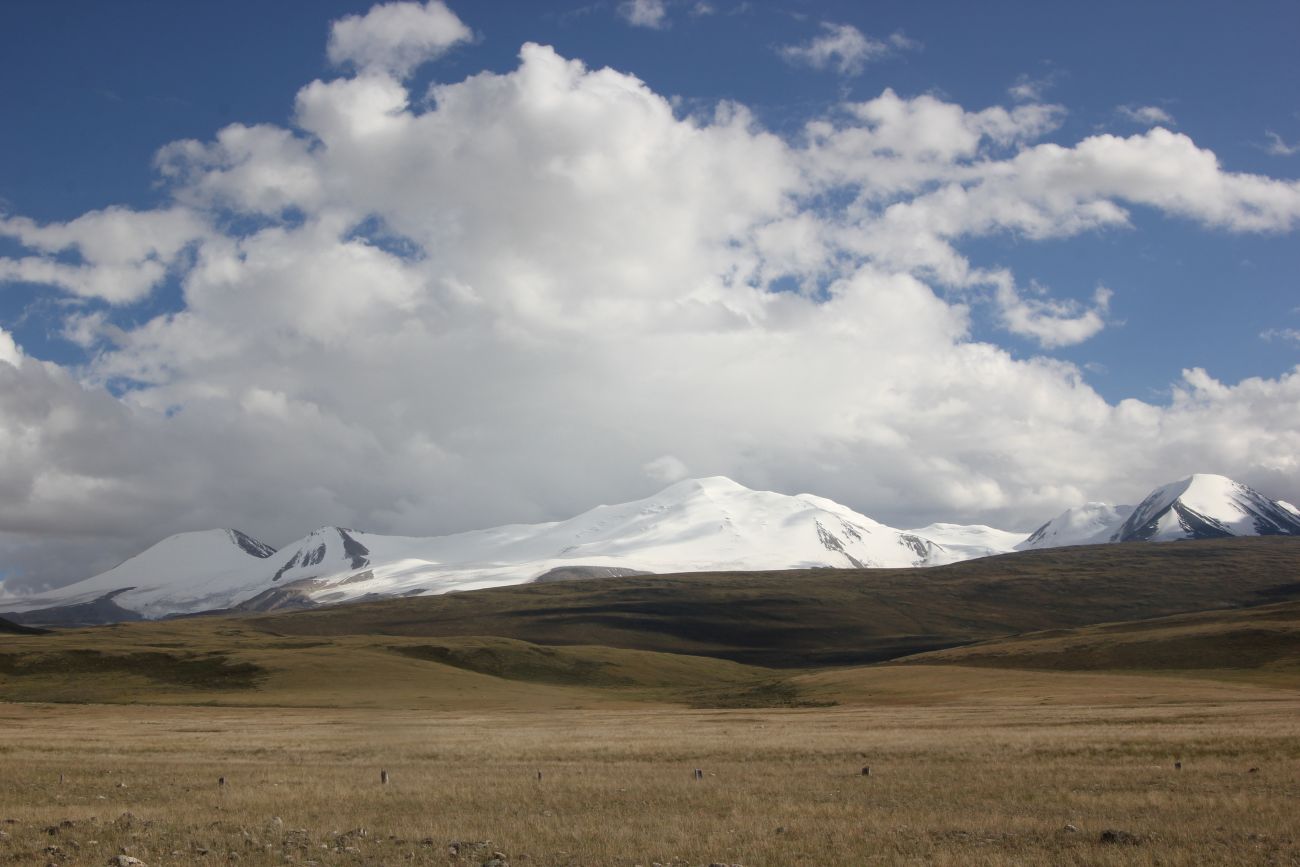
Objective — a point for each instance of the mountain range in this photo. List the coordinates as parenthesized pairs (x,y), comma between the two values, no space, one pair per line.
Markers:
(710,524)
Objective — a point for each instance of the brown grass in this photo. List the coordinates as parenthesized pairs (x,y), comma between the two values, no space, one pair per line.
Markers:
(968,767)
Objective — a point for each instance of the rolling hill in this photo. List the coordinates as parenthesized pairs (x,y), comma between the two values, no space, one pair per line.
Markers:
(745,639)
(815,617)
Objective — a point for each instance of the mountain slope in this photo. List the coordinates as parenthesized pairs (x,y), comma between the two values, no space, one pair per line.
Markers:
(1264,638)
(1089,524)
(1206,506)
(699,524)
(839,616)
(966,541)
(184,572)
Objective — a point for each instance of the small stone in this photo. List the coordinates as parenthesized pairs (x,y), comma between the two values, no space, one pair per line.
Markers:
(125,861)
(1070,829)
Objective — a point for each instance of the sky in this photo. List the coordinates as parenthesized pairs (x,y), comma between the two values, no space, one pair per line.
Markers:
(418,268)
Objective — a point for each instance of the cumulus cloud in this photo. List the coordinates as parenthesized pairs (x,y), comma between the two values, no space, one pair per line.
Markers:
(543,288)
(844,48)
(1051,322)
(10,352)
(645,13)
(1147,115)
(395,38)
(120,255)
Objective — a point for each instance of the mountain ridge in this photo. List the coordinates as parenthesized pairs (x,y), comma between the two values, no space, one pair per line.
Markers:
(710,524)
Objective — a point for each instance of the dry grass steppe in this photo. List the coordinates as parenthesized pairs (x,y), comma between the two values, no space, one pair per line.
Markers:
(1049,747)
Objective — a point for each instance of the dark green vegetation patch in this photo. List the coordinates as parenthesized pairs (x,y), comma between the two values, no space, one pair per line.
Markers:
(821,617)
(210,671)
(518,661)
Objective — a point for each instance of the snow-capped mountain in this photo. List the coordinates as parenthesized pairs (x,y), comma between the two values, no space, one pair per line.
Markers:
(1201,506)
(186,572)
(1089,524)
(1205,506)
(701,524)
(711,524)
(968,541)
(695,525)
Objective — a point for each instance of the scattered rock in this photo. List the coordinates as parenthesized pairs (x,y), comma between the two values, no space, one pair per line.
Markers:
(497,859)
(125,861)
(1071,829)
(780,829)
(1113,837)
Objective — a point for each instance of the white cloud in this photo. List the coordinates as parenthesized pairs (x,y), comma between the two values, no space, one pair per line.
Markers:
(1051,322)
(1029,89)
(844,48)
(645,13)
(120,254)
(1148,115)
(10,352)
(1278,147)
(543,289)
(666,469)
(396,38)
(1289,334)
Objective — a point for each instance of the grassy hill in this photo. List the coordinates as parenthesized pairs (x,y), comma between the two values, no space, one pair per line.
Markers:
(1261,643)
(8,627)
(820,617)
(711,640)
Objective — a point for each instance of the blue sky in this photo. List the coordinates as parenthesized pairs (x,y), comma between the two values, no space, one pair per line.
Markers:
(1194,276)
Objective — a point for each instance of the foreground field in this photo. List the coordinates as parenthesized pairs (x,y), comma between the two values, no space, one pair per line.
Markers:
(988,776)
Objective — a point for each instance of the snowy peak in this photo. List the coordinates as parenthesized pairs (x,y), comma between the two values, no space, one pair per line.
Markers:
(1206,506)
(1089,524)
(182,572)
(716,523)
(325,551)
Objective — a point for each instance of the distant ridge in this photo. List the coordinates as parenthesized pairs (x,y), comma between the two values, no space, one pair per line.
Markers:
(11,628)
(711,524)
(1201,506)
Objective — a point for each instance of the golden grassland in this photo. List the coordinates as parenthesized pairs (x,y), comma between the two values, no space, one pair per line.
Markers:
(1048,747)
(968,766)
